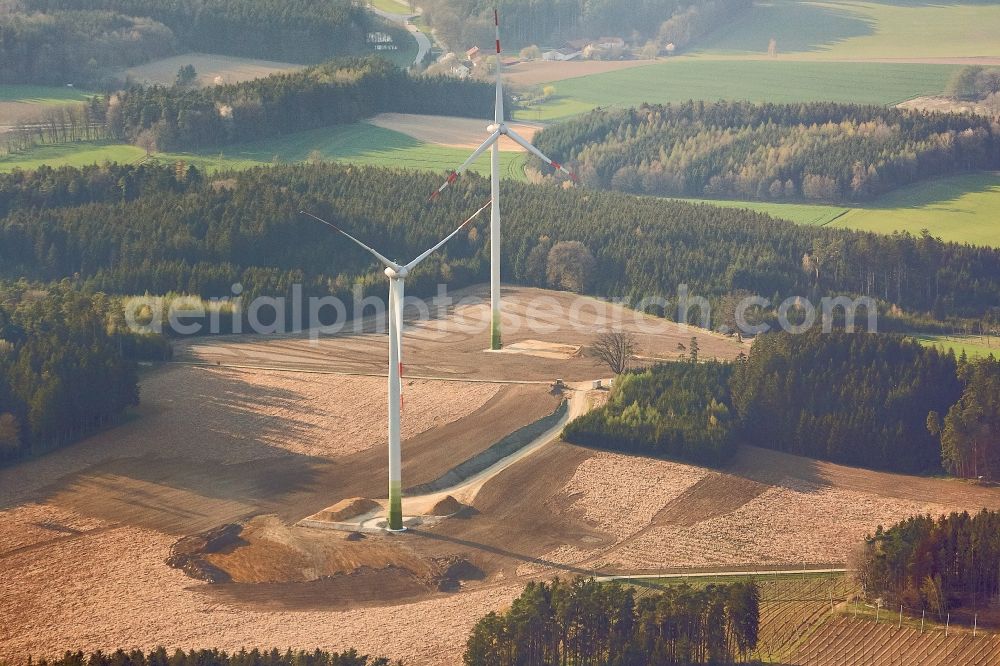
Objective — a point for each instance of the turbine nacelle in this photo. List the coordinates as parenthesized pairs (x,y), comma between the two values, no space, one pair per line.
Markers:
(396,272)
(497,127)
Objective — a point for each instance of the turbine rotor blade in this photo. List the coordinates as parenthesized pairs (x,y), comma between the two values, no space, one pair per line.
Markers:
(453,176)
(540,155)
(447,238)
(498,114)
(386,262)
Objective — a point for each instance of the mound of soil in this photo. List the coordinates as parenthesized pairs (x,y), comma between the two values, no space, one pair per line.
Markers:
(447,507)
(452,570)
(347,509)
(187,554)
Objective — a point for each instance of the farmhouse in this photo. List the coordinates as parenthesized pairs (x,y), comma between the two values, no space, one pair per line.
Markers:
(607,43)
(563,54)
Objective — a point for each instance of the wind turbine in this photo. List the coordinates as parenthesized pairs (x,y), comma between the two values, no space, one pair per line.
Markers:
(397,277)
(498,129)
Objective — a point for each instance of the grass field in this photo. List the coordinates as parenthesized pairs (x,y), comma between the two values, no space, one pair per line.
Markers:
(974,346)
(810,214)
(847,29)
(48,95)
(71,154)
(964,209)
(682,79)
(359,143)
(392,6)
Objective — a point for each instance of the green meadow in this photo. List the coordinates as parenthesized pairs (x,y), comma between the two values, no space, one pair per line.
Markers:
(71,154)
(359,143)
(685,78)
(45,95)
(809,214)
(964,209)
(850,30)
(974,346)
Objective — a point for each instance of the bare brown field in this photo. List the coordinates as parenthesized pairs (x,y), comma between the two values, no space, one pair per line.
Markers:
(94,522)
(537,72)
(271,430)
(947,104)
(450,131)
(211,69)
(450,343)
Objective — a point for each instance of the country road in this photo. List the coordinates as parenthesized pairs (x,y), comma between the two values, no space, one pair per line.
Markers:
(403,19)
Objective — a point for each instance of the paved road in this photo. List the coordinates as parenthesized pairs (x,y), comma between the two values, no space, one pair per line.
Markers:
(715,574)
(403,19)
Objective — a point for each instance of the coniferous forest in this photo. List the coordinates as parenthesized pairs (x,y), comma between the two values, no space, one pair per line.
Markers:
(675,410)
(852,398)
(191,234)
(586,622)
(64,367)
(857,399)
(935,564)
(83,41)
(818,151)
(343,90)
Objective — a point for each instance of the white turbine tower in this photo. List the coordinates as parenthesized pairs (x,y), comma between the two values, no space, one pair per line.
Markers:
(397,276)
(497,130)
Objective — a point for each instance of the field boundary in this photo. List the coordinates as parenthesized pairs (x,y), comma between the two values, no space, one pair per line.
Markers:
(480,462)
(346,373)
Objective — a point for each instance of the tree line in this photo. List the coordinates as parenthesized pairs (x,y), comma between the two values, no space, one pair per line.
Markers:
(50,187)
(934,564)
(62,123)
(60,41)
(818,151)
(171,229)
(81,47)
(255,657)
(66,367)
(343,90)
(673,410)
(857,399)
(585,622)
(970,431)
(464,23)
(853,398)
(974,82)
(575,622)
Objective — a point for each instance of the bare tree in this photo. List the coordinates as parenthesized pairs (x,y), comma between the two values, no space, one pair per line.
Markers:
(9,434)
(570,266)
(616,349)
